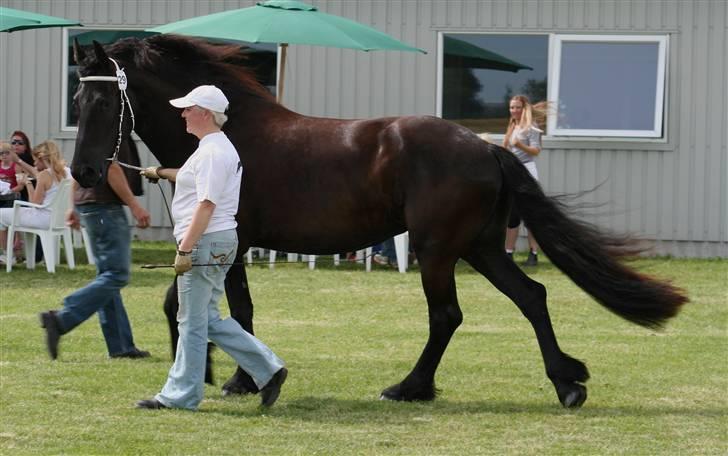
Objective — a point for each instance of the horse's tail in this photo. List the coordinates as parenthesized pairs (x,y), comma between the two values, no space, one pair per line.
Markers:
(588,256)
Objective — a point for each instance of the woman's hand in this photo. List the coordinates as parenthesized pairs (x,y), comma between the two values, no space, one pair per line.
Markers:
(73,220)
(182,262)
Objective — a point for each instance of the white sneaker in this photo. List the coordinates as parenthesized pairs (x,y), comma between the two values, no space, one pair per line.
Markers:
(380,259)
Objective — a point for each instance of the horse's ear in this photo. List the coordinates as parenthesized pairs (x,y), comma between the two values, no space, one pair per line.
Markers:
(100,53)
(78,54)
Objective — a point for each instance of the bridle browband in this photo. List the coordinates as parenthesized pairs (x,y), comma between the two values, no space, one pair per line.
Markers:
(121,81)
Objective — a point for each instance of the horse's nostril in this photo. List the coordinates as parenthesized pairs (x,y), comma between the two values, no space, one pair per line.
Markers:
(87,177)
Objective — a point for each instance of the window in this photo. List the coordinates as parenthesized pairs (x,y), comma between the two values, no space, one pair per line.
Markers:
(608,86)
(262,60)
(481,72)
(597,86)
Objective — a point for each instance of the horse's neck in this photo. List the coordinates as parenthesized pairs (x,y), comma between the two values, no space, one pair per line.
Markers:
(164,133)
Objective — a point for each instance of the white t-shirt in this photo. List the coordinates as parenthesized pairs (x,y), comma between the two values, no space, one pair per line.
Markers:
(213,173)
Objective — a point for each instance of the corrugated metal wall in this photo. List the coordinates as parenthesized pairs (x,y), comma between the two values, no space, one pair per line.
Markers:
(675,192)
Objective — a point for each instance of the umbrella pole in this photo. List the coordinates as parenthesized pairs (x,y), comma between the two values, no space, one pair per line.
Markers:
(281,72)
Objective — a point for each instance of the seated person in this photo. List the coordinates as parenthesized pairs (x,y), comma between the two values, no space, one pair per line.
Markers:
(8,172)
(54,170)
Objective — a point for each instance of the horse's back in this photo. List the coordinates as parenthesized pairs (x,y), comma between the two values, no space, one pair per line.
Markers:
(331,184)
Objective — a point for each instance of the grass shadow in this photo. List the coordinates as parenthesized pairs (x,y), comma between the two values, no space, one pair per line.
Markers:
(328,410)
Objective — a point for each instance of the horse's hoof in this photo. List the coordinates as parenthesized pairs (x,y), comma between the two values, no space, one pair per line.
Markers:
(393,393)
(231,390)
(575,397)
(240,383)
(399,392)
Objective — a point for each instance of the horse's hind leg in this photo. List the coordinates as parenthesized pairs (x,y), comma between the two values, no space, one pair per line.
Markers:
(566,373)
(438,281)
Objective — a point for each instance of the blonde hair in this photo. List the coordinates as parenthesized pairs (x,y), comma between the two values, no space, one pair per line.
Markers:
(5,146)
(532,114)
(48,151)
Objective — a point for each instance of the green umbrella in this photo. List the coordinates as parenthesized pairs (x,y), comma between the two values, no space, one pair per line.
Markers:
(286,22)
(459,53)
(108,36)
(12,20)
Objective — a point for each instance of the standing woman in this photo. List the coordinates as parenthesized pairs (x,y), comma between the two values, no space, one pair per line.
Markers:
(203,208)
(523,138)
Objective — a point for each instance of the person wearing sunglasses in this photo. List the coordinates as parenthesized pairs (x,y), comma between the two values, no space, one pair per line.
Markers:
(22,149)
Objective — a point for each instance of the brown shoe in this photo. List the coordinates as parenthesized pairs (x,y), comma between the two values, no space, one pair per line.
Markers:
(49,321)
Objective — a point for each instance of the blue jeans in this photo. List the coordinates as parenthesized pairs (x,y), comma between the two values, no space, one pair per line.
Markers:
(389,251)
(198,318)
(110,237)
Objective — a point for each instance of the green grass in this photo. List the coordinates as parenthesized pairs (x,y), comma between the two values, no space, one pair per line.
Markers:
(345,335)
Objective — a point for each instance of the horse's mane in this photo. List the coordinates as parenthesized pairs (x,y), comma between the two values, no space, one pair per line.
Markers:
(220,64)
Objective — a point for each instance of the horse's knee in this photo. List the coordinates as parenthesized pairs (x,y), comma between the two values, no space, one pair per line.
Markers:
(449,320)
(454,317)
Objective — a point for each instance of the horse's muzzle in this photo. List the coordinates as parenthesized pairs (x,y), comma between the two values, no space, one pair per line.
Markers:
(86,176)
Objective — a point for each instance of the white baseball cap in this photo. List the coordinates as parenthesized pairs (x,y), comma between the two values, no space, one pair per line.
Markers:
(204,96)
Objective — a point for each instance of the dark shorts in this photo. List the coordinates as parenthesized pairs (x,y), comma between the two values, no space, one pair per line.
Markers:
(514,220)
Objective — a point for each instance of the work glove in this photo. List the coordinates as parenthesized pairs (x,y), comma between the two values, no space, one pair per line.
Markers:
(151,174)
(182,262)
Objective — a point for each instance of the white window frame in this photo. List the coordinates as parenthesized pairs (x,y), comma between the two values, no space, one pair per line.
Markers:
(554,81)
(64,83)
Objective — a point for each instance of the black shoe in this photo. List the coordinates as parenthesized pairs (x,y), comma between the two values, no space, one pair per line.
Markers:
(270,392)
(134,353)
(532,259)
(53,332)
(151,404)
(510,255)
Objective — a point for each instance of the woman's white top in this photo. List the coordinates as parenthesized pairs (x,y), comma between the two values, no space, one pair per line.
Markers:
(529,137)
(212,173)
(51,192)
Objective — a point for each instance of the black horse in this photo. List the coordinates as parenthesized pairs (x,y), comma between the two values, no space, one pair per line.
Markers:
(321,186)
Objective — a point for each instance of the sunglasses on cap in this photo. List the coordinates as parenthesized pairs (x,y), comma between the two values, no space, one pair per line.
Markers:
(17,142)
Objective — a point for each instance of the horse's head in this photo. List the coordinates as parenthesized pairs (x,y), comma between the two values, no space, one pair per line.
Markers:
(99,100)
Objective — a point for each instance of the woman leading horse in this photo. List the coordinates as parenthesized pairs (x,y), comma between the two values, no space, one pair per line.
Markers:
(320,186)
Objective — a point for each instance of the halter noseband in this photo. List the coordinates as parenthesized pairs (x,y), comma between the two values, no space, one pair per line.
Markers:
(121,80)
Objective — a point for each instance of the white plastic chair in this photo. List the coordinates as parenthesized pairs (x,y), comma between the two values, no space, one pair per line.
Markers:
(83,241)
(401,247)
(58,206)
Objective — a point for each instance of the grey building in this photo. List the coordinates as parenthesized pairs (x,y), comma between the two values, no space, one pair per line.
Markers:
(638,92)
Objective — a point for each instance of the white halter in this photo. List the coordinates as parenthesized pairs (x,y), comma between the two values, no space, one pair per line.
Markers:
(121,80)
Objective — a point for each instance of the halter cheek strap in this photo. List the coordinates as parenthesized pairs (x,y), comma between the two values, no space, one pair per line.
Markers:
(121,81)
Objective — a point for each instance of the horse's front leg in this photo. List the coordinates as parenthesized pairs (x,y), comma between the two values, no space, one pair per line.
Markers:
(445,316)
(171,306)
(241,309)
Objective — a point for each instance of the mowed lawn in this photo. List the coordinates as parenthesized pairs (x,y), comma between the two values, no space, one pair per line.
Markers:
(347,334)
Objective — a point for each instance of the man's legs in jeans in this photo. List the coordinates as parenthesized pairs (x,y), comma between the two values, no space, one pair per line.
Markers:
(110,237)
